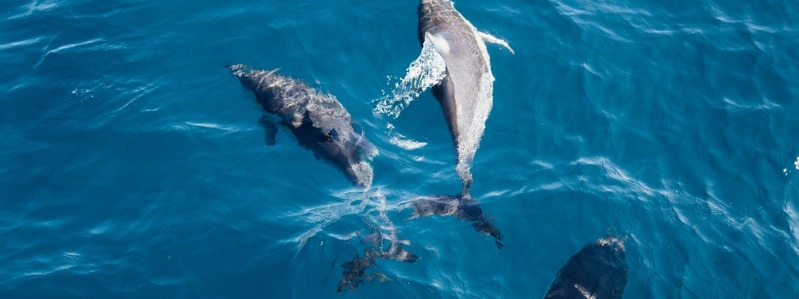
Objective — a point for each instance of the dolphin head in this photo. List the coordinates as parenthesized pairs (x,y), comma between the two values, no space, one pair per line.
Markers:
(430,6)
(361,173)
(250,77)
(613,248)
(437,2)
(264,84)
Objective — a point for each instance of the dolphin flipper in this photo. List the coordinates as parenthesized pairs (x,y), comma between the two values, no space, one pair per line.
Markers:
(270,127)
(441,44)
(495,40)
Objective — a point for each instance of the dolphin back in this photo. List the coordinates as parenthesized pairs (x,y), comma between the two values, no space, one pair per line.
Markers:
(598,271)
(318,120)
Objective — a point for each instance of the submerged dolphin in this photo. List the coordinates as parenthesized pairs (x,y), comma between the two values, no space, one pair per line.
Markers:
(318,121)
(466,96)
(356,271)
(598,271)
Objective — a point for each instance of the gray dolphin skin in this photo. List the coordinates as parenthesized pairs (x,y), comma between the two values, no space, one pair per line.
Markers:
(463,207)
(466,92)
(466,96)
(598,271)
(318,121)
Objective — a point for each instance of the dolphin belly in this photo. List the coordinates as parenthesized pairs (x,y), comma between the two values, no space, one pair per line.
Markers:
(466,93)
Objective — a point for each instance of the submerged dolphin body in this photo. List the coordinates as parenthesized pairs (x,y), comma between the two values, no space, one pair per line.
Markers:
(356,271)
(598,271)
(318,121)
(466,96)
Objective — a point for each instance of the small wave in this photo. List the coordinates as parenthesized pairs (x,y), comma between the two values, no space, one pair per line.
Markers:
(35,7)
(765,105)
(424,72)
(22,43)
(47,51)
(212,126)
(796,163)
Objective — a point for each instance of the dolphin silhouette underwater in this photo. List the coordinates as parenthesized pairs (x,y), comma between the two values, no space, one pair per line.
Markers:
(356,271)
(317,120)
(466,96)
(598,271)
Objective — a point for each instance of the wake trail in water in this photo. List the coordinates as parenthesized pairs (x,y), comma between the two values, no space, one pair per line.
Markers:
(353,203)
(325,215)
(424,72)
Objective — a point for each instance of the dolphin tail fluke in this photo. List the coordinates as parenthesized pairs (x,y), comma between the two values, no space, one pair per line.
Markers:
(463,207)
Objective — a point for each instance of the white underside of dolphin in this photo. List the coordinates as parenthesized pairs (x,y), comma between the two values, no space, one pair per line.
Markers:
(472,104)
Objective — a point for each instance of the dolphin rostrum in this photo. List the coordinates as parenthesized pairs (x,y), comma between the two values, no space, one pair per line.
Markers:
(318,121)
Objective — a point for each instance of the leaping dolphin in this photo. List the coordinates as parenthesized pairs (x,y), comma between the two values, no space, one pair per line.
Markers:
(466,96)
(318,121)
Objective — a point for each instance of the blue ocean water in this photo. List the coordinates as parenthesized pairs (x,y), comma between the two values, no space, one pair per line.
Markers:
(133,165)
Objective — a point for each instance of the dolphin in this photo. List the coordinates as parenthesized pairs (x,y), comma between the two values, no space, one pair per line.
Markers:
(466,92)
(598,271)
(466,96)
(318,121)
(356,271)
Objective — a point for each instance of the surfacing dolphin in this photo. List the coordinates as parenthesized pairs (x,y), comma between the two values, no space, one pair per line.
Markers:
(466,96)
(598,271)
(466,92)
(318,121)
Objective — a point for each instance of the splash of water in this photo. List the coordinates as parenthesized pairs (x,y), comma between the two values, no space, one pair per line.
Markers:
(402,141)
(424,72)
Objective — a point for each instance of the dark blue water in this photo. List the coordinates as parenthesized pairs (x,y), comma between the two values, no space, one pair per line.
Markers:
(133,166)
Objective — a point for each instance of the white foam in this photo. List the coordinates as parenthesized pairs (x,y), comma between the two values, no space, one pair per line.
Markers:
(407,144)
(402,141)
(796,163)
(424,72)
